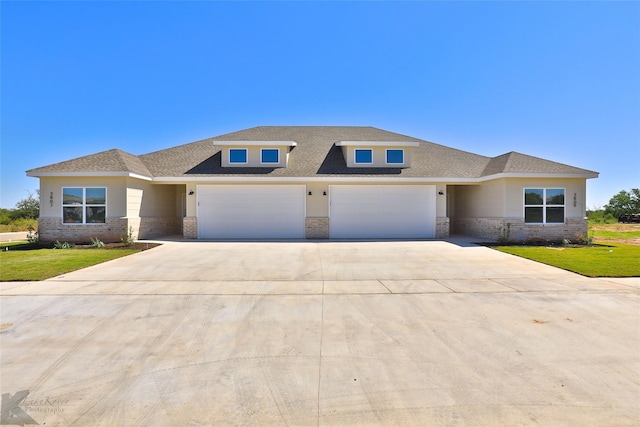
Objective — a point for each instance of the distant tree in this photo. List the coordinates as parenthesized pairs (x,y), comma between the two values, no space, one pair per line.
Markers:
(597,216)
(624,203)
(29,207)
(5,216)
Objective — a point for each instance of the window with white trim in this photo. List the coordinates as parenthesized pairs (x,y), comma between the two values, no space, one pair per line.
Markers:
(395,156)
(363,156)
(237,155)
(269,155)
(544,205)
(84,205)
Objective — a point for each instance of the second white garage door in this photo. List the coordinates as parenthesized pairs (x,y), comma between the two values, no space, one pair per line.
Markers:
(251,211)
(382,211)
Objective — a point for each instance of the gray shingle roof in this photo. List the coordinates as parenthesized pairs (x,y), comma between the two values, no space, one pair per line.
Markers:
(314,156)
(113,160)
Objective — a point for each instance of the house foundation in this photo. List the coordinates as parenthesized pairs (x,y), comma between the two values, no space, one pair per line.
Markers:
(515,229)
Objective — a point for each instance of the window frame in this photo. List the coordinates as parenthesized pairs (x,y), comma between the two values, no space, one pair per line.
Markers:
(246,156)
(544,206)
(386,156)
(262,150)
(355,156)
(84,205)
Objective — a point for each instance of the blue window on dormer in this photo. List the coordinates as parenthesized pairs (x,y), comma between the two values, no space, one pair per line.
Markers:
(395,156)
(363,156)
(237,155)
(270,155)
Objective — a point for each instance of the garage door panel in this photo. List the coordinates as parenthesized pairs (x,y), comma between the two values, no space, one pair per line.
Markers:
(382,211)
(251,211)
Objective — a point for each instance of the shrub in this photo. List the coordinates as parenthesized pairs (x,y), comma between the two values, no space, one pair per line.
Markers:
(33,236)
(62,245)
(128,239)
(97,243)
(585,239)
(505,234)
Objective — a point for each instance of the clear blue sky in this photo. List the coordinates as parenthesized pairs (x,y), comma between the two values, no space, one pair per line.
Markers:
(558,80)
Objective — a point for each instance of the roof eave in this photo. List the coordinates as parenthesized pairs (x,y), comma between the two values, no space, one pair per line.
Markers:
(37,174)
(255,143)
(585,175)
(377,144)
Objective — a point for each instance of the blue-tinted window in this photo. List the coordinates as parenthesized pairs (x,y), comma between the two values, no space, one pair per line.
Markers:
(395,156)
(237,155)
(270,155)
(363,156)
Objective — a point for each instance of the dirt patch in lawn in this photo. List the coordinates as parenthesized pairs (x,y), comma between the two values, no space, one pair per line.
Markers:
(632,230)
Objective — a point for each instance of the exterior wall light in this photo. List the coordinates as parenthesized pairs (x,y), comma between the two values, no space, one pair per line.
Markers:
(191,193)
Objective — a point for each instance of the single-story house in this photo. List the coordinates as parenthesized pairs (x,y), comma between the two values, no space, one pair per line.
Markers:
(313,182)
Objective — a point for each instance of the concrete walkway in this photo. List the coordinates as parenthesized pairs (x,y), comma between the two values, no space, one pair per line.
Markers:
(13,236)
(331,333)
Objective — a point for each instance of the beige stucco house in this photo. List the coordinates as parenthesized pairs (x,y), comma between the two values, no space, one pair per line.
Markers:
(297,182)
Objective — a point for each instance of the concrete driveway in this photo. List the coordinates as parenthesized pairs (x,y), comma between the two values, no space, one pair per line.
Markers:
(329,333)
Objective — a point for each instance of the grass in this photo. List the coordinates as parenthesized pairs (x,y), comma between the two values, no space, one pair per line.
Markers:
(611,256)
(40,264)
(614,260)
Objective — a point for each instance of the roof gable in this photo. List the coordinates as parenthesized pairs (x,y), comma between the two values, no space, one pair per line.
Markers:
(113,161)
(518,163)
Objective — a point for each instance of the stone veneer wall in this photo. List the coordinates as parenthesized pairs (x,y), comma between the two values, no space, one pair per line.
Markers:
(114,229)
(150,227)
(317,228)
(494,228)
(442,227)
(190,227)
(52,229)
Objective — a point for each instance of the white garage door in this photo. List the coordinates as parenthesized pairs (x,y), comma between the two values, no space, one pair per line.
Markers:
(382,211)
(251,211)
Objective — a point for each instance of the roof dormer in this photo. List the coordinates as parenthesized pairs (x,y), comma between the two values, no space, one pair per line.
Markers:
(377,154)
(255,154)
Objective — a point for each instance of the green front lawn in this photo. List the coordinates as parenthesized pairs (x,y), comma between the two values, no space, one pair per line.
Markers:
(615,260)
(40,264)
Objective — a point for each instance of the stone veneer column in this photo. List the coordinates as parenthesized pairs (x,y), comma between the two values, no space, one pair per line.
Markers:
(190,227)
(317,228)
(442,227)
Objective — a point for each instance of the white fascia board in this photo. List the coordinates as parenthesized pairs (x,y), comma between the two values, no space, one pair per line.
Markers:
(538,175)
(170,180)
(255,143)
(377,144)
(91,174)
(449,180)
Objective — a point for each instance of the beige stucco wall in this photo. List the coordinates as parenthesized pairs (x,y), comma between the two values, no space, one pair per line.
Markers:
(378,157)
(253,156)
(126,197)
(505,197)
(51,191)
(484,200)
(145,199)
(514,195)
(149,210)
(495,209)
